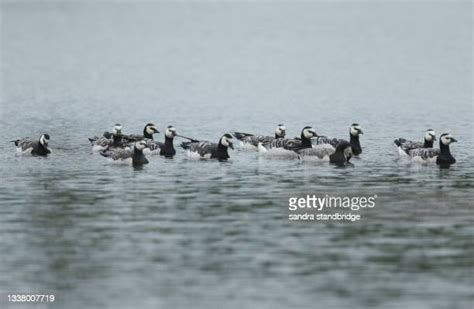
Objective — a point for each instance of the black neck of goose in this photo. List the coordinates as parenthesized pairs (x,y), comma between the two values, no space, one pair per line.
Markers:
(41,145)
(428,144)
(169,141)
(355,144)
(306,142)
(147,135)
(444,149)
(117,139)
(222,151)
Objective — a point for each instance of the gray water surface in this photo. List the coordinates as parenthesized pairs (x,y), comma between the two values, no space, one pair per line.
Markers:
(186,233)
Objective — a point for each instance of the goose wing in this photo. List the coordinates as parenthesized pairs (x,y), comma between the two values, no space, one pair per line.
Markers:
(153,145)
(202,147)
(319,151)
(128,138)
(255,139)
(25,143)
(424,153)
(289,144)
(321,140)
(406,145)
(118,154)
(102,141)
(241,135)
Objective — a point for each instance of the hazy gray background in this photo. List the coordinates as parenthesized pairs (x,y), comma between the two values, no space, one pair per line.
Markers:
(207,234)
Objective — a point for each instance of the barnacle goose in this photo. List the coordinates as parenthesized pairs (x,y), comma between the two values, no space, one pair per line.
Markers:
(441,156)
(251,141)
(285,148)
(354,132)
(405,145)
(27,145)
(325,152)
(208,150)
(134,156)
(165,149)
(148,132)
(108,140)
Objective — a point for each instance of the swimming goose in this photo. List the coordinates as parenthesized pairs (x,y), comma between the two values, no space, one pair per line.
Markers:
(38,148)
(441,156)
(404,145)
(108,140)
(290,145)
(165,149)
(148,132)
(325,152)
(208,150)
(134,156)
(354,132)
(252,140)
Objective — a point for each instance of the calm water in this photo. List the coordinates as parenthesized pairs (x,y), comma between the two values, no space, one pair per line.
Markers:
(207,234)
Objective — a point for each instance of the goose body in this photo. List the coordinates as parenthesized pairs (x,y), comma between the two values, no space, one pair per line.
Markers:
(148,132)
(325,152)
(208,150)
(100,143)
(286,147)
(405,146)
(133,156)
(109,141)
(354,132)
(29,146)
(165,149)
(441,156)
(251,141)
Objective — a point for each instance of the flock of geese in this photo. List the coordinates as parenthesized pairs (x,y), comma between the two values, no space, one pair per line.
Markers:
(309,146)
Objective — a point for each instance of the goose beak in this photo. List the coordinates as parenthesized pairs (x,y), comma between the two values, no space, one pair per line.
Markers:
(155,130)
(231,145)
(314,133)
(360,131)
(434,137)
(453,140)
(283,132)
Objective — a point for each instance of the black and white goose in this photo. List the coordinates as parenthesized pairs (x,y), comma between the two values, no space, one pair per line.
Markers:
(108,140)
(405,145)
(133,156)
(38,147)
(285,147)
(208,150)
(251,141)
(441,156)
(148,132)
(165,149)
(354,132)
(325,152)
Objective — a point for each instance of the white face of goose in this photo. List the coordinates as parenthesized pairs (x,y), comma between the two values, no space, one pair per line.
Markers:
(448,139)
(170,132)
(140,145)
(280,131)
(430,135)
(117,129)
(227,141)
(309,133)
(44,140)
(151,129)
(356,130)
